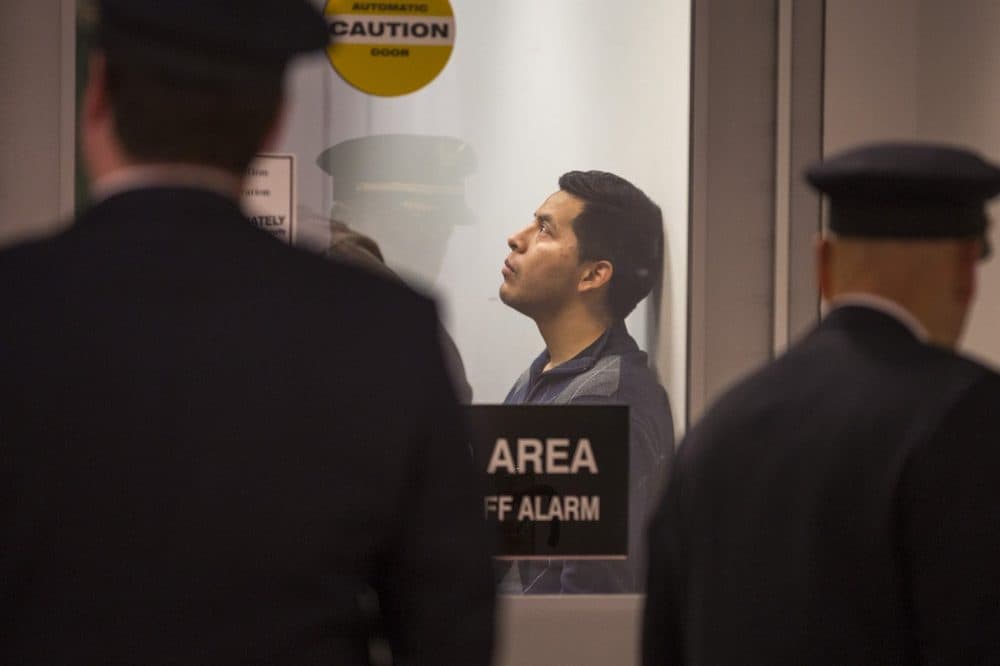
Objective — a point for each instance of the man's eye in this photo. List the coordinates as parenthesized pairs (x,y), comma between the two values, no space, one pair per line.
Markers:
(543,227)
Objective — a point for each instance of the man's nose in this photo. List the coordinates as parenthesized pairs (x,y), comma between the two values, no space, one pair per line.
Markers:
(516,241)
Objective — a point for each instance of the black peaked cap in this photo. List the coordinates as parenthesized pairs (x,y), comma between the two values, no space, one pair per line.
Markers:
(210,39)
(907,190)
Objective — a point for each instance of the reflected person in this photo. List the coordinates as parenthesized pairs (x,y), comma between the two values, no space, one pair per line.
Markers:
(349,246)
(216,448)
(840,505)
(397,199)
(593,251)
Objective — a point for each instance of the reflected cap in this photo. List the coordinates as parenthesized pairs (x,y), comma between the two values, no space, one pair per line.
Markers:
(209,39)
(907,190)
(415,176)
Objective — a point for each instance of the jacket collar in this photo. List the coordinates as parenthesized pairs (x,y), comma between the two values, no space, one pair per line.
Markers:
(885,306)
(871,323)
(193,176)
(614,336)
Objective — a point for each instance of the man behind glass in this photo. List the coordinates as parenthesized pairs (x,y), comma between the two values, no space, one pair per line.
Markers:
(593,250)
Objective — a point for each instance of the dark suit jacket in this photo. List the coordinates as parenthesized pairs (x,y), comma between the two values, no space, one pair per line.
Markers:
(215,448)
(841,506)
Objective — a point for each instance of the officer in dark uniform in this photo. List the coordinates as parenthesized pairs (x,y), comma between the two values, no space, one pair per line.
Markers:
(215,448)
(842,505)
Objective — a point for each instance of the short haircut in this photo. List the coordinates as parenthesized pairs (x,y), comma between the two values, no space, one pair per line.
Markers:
(620,224)
(160,117)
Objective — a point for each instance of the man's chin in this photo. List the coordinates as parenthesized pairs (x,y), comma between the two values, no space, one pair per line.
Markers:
(509,299)
(504,296)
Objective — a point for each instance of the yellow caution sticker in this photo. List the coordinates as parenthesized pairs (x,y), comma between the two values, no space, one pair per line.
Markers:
(389,48)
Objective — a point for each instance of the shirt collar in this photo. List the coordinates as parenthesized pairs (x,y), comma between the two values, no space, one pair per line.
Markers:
(885,306)
(578,363)
(197,176)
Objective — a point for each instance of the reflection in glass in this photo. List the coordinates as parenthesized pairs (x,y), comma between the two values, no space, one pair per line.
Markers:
(405,191)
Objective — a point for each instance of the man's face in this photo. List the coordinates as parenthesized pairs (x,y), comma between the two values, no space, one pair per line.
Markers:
(543,269)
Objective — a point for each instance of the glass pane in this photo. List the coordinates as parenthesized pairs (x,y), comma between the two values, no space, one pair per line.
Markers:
(442,177)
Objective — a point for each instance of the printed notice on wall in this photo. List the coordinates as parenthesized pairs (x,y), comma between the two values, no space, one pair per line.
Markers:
(556,478)
(269,194)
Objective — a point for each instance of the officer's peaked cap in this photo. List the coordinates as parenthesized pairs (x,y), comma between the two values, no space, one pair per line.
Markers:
(906,190)
(210,39)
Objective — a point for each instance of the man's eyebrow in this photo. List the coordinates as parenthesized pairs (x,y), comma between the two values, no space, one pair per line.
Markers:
(544,217)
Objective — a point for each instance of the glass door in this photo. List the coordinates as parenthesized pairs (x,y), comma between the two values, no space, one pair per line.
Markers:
(442,176)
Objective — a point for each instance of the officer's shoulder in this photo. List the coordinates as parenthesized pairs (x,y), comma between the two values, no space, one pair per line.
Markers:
(27,263)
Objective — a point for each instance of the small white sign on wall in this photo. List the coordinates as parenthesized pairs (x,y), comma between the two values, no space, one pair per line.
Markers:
(269,194)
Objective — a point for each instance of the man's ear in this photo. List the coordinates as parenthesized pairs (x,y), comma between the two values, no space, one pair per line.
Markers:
(969,253)
(823,249)
(98,142)
(96,107)
(596,274)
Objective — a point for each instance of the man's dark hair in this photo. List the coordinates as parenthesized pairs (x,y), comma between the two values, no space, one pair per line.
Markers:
(620,224)
(161,117)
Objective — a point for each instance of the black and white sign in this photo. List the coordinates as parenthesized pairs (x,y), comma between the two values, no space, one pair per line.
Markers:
(269,194)
(556,478)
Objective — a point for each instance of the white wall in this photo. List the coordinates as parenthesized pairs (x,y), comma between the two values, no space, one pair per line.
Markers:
(921,69)
(958,98)
(871,72)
